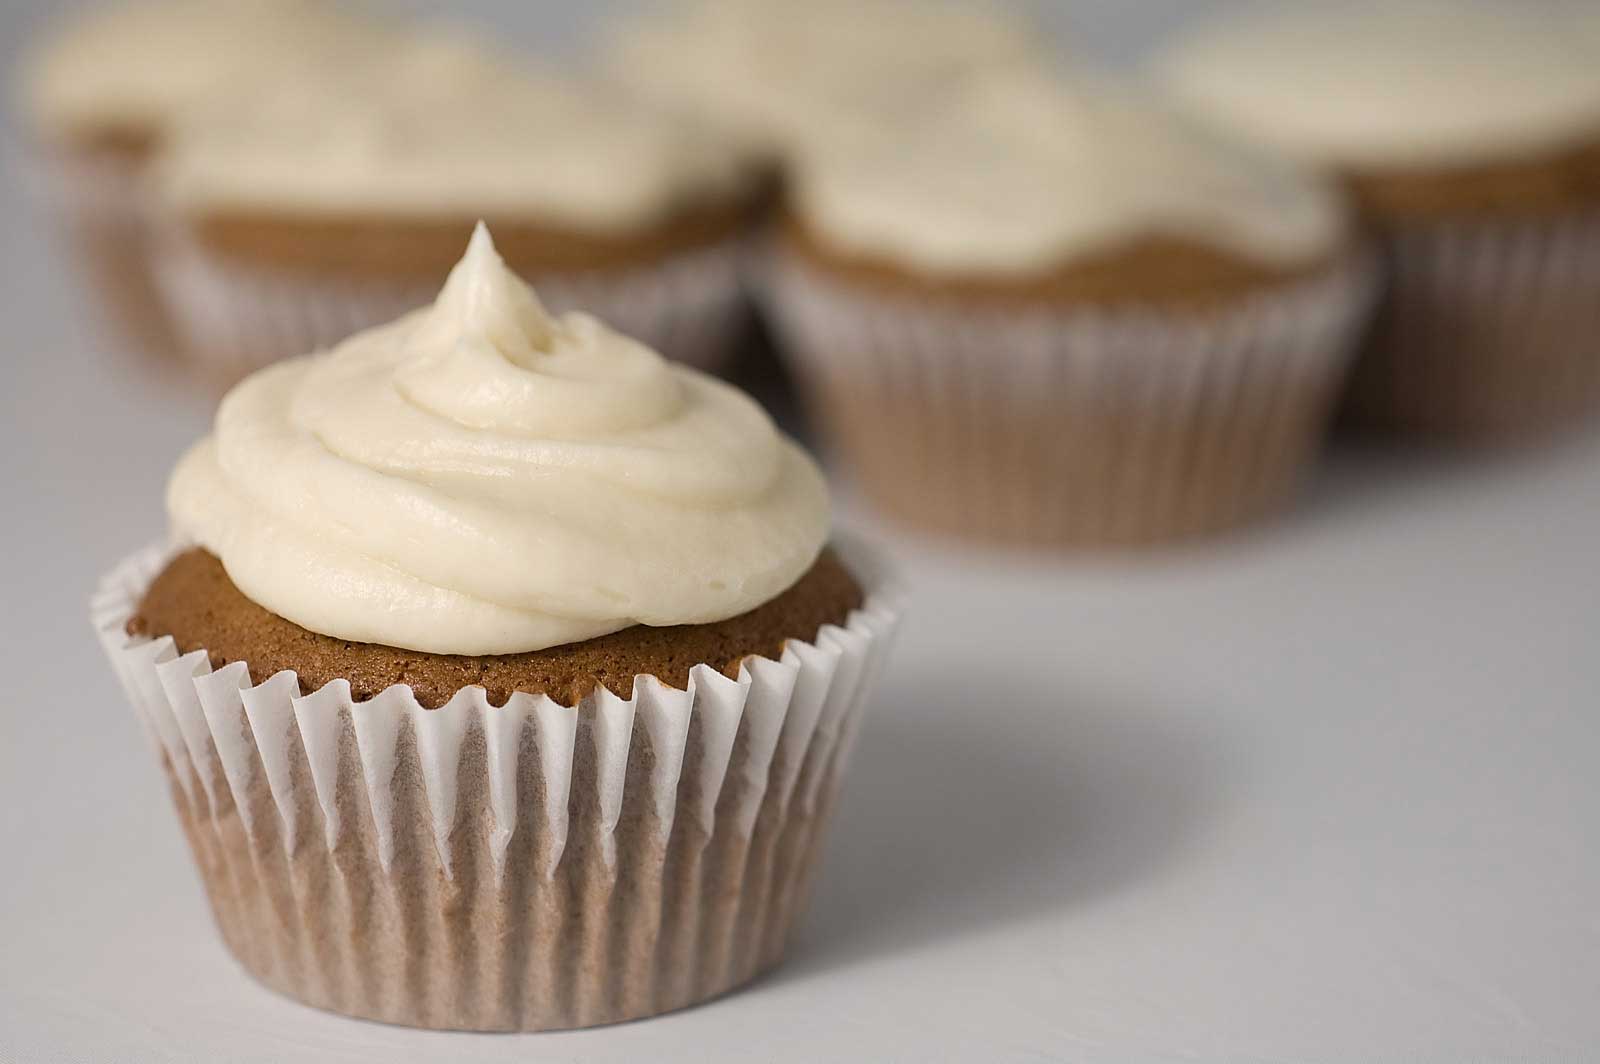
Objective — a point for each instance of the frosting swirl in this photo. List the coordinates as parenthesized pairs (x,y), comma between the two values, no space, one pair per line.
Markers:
(144,64)
(443,123)
(779,72)
(1021,170)
(480,477)
(1392,84)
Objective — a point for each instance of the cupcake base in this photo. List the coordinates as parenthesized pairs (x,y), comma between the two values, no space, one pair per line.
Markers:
(1490,330)
(1073,426)
(524,867)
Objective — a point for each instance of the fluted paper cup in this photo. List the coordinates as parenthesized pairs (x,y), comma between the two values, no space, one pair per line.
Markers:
(1490,330)
(1071,426)
(234,318)
(521,867)
(101,204)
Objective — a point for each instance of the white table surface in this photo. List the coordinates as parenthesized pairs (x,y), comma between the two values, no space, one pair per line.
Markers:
(1326,792)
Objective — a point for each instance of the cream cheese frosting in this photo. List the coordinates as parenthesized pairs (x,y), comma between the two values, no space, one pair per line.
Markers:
(140,65)
(1022,171)
(481,477)
(1393,84)
(444,124)
(777,71)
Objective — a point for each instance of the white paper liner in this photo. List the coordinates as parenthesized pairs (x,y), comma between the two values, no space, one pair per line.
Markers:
(1491,328)
(1071,426)
(515,868)
(103,206)
(233,318)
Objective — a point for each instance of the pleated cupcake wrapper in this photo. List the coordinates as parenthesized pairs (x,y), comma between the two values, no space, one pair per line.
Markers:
(103,206)
(234,317)
(1490,328)
(1077,426)
(521,867)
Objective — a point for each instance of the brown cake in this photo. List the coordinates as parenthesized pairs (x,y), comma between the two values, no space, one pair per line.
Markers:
(424,250)
(193,601)
(1151,270)
(1554,183)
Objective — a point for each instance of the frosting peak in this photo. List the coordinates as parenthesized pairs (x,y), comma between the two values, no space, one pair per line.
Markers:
(481,477)
(483,302)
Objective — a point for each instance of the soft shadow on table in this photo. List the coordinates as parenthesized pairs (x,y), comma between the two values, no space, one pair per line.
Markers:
(1022,802)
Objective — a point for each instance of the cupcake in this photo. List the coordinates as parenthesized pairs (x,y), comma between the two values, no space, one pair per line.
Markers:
(503,671)
(778,73)
(1047,312)
(102,96)
(1469,134)
(332,204)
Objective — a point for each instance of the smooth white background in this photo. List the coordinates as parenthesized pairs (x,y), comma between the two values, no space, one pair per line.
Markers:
(1324,792)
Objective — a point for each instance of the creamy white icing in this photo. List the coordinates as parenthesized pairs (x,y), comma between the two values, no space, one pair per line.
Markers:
(436,123)
(480,477)
(1023,170)
(1393,84)
(142,64)
(780,71)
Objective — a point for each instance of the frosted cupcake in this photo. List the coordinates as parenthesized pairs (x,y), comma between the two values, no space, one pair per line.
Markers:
(1470,136)
(502,670)
(102,96)
(778,73)
(333,204)
(1050,313)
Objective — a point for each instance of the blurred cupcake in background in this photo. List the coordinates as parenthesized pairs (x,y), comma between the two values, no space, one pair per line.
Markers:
(1470,136)
(1049,312)
(778,72)
(102,97)
(332,203)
